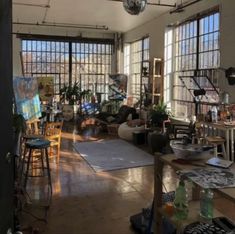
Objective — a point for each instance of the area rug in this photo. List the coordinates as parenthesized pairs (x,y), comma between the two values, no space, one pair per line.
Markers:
(107,155)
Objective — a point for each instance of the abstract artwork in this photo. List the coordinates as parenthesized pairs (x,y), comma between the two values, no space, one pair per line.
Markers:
(46,88)
(26,97)
(117,87)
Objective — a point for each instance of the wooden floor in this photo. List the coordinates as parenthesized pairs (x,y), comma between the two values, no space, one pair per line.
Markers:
(85,202)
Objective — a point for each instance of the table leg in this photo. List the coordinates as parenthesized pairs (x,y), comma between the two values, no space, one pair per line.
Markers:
(158,177)
(227,143)
(232,144)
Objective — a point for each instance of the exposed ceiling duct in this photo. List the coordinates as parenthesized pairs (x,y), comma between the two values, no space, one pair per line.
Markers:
(63,25)
(180,7)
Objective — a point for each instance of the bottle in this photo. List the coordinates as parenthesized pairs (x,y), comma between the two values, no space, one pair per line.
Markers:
(181,201)
(214,114)
(206,203)
(228,116)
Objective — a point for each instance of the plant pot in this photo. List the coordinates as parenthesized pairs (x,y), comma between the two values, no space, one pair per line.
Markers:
(157,119)
(156,141)
(68,112)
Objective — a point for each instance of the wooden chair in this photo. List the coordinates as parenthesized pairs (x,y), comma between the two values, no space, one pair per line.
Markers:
(53,134)
(33,127)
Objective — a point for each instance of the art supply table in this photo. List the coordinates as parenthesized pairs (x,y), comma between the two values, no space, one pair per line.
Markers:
(194,205)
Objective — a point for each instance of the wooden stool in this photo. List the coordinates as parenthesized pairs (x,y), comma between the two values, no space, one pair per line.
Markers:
(215,141)
(42,145)
(24,149)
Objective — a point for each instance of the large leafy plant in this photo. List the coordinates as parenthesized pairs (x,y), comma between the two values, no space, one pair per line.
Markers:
(158,114)
(71,94)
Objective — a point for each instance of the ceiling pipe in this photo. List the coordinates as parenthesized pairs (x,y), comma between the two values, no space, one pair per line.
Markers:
(31,4)
(161,4)
(63,25)
(180,7)
(151,3)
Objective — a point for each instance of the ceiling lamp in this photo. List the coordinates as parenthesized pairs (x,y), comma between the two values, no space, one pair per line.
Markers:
(134,7)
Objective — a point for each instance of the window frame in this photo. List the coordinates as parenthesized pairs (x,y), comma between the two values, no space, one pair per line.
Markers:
(68,76)
(138,56)
(179,89)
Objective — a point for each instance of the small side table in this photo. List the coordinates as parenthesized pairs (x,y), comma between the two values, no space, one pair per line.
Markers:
(139,137)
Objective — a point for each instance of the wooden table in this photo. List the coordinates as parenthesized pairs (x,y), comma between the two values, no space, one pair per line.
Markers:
(193,216)
(228,129)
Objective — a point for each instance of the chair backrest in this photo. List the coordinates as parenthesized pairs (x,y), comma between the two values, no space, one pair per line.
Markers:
(33,126)
(53,130)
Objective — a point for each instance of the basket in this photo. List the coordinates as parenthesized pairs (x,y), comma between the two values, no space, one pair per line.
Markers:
(190,151)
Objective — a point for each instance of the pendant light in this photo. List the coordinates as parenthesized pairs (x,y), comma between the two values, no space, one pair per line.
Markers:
(134,7)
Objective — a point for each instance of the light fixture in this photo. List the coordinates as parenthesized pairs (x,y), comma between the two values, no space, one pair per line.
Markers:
(134,7)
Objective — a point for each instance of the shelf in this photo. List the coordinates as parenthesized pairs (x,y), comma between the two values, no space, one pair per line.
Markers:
(157,80)
(193,215)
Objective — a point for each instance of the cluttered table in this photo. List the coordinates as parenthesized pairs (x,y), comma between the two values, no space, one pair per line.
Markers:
(221,128)
(223,183)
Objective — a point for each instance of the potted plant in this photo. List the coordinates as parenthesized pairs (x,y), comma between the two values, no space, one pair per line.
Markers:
(158,114)
(70,95)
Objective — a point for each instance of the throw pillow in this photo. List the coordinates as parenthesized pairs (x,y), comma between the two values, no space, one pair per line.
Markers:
(135,122)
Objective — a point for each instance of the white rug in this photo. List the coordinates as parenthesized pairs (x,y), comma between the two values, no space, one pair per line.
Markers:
(107,155)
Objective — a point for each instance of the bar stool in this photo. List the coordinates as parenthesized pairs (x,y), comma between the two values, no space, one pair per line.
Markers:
(25,138)
(216,141)
(42,145)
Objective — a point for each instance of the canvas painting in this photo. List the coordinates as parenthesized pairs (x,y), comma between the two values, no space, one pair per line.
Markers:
(26,97)
(46,88)
(117,87)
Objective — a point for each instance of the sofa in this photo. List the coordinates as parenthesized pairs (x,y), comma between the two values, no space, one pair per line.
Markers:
(118,118)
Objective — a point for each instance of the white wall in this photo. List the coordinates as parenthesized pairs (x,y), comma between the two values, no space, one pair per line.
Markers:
(17,71)
(156,28)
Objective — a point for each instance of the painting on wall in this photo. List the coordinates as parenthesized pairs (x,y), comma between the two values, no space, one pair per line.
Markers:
(117,87)
(26,97)
(46,88)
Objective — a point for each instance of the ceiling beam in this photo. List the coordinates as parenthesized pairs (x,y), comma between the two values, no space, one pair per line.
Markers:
(31,4)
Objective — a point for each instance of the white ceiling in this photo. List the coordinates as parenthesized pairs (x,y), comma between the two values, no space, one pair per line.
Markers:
(92,12)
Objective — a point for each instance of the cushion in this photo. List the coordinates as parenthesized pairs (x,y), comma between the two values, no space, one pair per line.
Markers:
(110,119)
(135,122)
(125,132)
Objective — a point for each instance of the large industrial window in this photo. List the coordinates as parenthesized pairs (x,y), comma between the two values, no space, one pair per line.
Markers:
(46,58)
(91,65)
(196,55)
(139,57)
(68,62)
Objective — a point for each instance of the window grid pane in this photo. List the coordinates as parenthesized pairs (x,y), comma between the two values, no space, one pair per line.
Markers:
(139,53)
(91,63)
(189,58)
